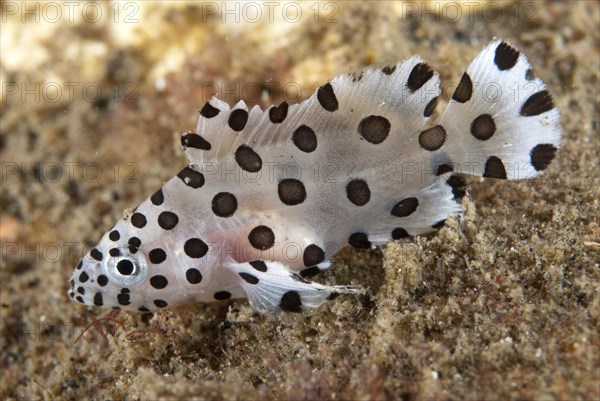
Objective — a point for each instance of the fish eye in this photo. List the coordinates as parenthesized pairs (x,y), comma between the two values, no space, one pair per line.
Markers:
(125,268)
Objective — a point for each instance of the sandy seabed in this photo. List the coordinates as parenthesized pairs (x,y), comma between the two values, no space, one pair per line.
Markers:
(500,305)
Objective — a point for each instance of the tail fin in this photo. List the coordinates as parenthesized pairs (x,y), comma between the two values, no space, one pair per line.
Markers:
(501,117)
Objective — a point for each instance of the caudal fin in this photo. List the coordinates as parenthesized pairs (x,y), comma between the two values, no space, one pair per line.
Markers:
(501,121)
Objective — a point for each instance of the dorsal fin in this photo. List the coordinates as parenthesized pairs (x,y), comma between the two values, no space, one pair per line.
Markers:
(407,90)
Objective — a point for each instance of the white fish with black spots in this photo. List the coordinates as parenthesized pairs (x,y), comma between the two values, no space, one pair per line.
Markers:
(269,197)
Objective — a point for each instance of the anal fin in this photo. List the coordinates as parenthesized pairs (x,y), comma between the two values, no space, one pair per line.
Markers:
(422,212)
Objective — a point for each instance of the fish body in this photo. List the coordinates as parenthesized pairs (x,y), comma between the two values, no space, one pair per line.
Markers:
(270,196)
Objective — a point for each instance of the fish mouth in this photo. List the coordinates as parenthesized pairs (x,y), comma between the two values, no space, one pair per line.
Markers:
(78,294)
(81,281)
